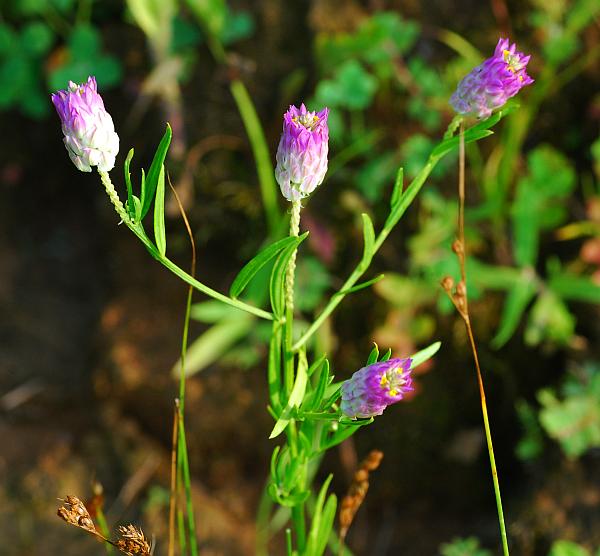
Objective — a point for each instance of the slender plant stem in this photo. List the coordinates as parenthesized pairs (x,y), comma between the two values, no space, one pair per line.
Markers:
(173,491)
(461,303)
(260,149)
(114,197)
(298,516)
(103,526)
(182,452)
(256,135)
(289,302)
(405,201)
(187,484)
(138,230)
(299,520)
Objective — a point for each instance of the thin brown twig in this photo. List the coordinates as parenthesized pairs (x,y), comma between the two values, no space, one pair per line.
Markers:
(459,298)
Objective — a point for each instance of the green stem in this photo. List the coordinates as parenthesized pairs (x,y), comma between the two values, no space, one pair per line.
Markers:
(404,202)
(463,309)
(114,197)
(490,446)
(187,485)
(299,520)
(256,135)
(138,230)
(210,292)
(260,150)
(298,516)
(103,526)
(289,302)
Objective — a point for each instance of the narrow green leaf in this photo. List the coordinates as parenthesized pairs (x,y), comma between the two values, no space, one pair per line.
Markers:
(575,288)
(211,311)
(296,396)
(137,208)
(369,239)
(314,540)
(517,300)
(254,265)
(374,355)
(345,430)
(386,355)
(313,401)
(362,285)
(142,193)
(425,354)
(398,187)
(213,343)
(130,205)
(276,286)
(151,182)
(274,367)
(317,364)
(326,527)
(159,214)
(451,144)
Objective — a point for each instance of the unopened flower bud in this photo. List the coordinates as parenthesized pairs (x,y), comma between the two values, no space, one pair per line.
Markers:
(371,389)
(89,131)
(492,83)
(302,152)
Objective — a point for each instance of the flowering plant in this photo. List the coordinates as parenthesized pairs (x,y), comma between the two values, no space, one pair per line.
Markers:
(310,408)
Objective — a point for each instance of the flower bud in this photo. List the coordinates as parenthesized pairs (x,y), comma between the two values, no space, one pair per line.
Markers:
(492,83)
(302,152)
(371,389)
(89,132)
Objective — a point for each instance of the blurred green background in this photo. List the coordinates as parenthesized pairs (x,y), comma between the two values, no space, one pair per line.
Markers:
(90,327)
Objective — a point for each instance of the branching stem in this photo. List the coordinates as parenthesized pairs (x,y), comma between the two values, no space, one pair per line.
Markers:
(460,300)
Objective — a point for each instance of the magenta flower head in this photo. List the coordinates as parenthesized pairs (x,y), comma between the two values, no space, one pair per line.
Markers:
(371,389)
(302,152)
(492,83)
(89,132)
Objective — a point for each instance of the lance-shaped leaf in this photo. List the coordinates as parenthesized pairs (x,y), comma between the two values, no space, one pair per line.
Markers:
(159,214)
(259,261)
(150,184)
(277,284)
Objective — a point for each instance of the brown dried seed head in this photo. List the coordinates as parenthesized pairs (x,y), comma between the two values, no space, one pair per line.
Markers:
(461,289)
(458,247)
(132,541)
(74,512)
(357,491)
(361,475)
(373,460)
(447,283)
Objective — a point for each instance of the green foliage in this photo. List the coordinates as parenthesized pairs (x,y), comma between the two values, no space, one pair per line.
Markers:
(312,281)
(464,547)
(531,444)
(21,58)
(84,57)
(539,203)
(351,87)
(568,548)
(574,420)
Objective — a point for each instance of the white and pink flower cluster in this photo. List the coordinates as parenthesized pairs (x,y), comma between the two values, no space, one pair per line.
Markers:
(89,131)
(302,152)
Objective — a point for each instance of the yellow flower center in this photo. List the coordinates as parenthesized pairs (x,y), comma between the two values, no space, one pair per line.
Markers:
(309,121)
(513,61)
(392,380)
